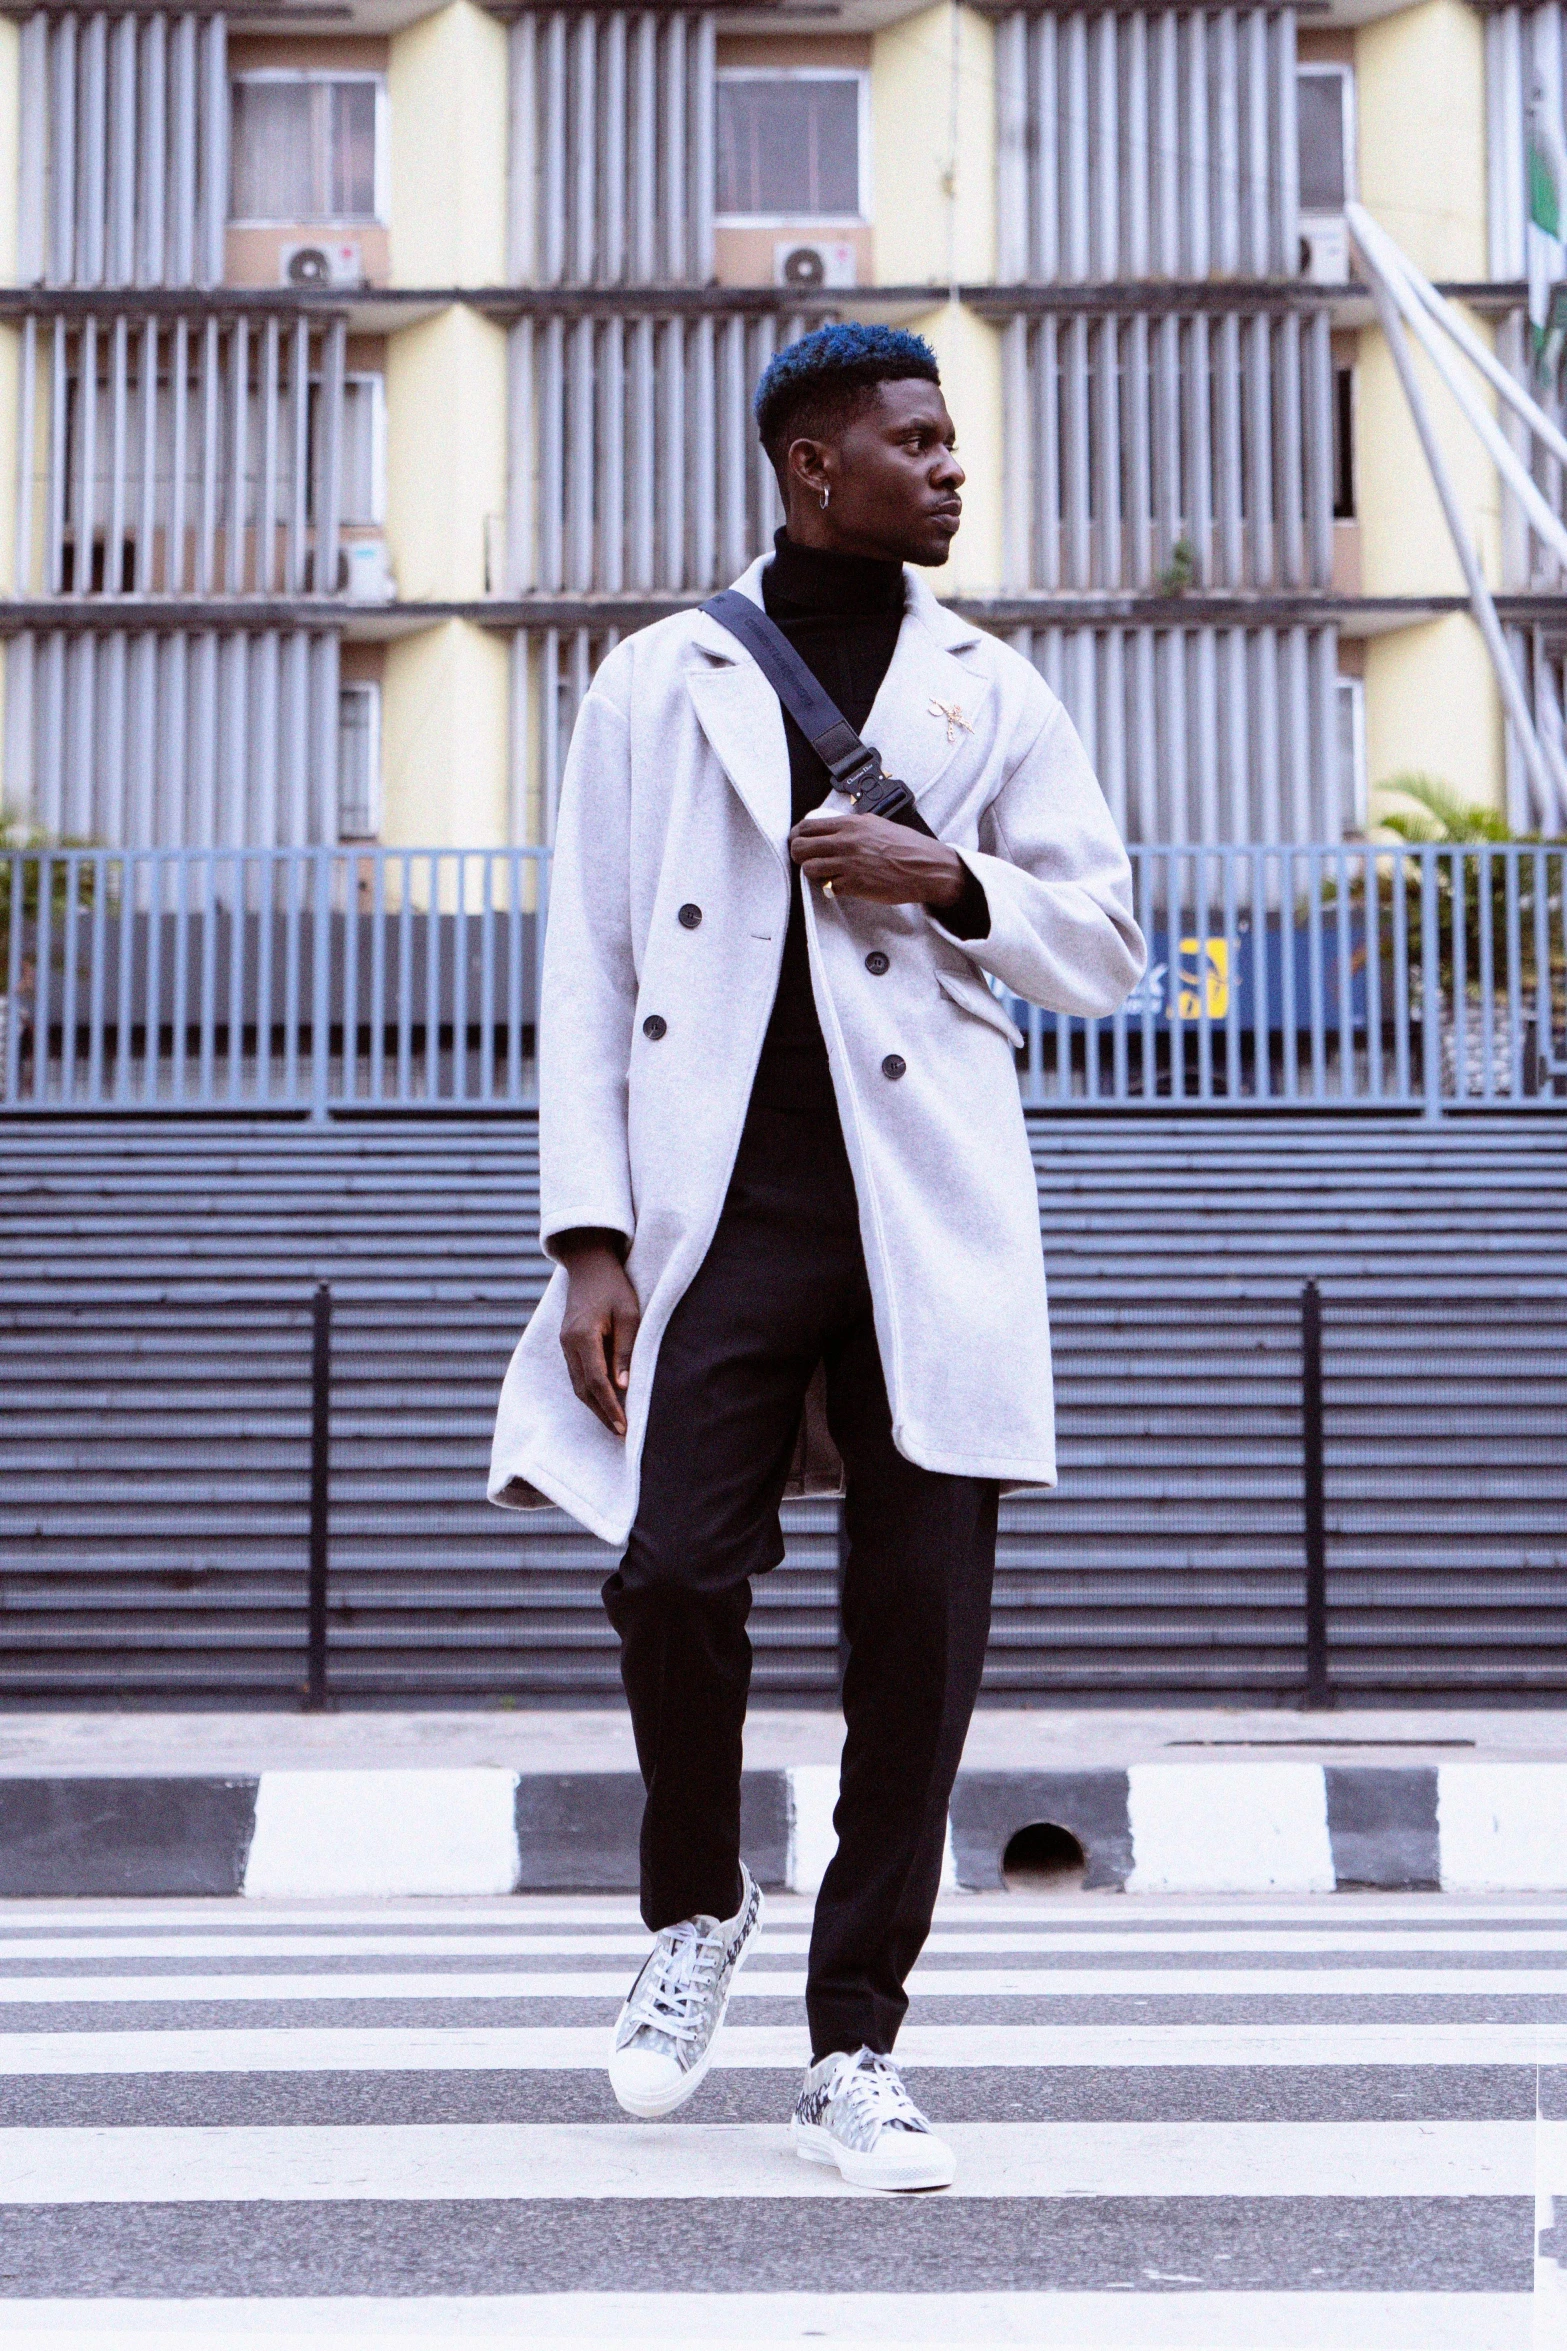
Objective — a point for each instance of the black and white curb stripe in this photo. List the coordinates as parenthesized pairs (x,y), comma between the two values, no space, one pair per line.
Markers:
(1244,1828)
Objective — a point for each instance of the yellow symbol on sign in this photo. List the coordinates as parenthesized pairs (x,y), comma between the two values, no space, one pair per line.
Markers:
(1204,970)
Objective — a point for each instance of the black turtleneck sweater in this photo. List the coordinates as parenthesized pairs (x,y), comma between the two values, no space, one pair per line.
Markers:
(842,614)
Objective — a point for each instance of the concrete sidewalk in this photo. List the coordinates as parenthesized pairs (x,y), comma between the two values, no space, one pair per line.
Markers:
(493,1802)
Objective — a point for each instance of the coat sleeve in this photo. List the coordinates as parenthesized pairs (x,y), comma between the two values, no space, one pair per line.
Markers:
(590,982)
(1057,881)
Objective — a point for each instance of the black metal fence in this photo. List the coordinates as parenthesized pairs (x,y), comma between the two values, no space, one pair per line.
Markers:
(1319,1494)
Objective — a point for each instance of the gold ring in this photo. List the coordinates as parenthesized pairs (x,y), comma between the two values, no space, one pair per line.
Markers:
(827,889)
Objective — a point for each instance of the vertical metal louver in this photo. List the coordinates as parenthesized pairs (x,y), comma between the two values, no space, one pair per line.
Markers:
(1540,656)
(185,738)
(634,460)
(1204,734)
(1138,442)
(180,455)
(1207,733)
(1146,144)
(611,148)
(124,149)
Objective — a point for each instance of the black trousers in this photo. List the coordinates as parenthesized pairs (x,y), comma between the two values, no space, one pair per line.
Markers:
(783,1288)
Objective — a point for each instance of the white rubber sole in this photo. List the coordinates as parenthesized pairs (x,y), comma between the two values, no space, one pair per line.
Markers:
(920,2166)
(654,2109)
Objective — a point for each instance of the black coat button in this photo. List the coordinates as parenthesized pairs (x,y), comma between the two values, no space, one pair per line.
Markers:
(894,1066)
(654,1026)
(876,963)
(689,917)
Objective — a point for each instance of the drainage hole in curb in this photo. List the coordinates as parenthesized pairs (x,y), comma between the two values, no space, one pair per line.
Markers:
(1043,1858)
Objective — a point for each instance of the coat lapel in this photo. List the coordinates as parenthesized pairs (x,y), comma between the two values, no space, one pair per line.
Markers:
(739,714)
(916,740)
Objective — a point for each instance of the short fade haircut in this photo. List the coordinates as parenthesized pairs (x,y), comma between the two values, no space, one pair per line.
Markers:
(814,385)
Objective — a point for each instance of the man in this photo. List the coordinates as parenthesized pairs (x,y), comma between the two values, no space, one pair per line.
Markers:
(781,1130)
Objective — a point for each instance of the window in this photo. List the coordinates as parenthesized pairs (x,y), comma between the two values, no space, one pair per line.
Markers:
(1353,797)
(308,147)
(358,762)
(1324,100)
(1343,444)
(364,449)
(791,145)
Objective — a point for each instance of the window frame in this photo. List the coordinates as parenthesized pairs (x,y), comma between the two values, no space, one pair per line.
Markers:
(302,77)
(1354,790)
(1322,70)
(376,379)
(805,221)
(370,690)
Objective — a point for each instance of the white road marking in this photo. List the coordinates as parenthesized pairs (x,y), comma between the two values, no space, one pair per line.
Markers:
(316,2163)
(759,1982)
(1126,2321)
(746,2048)
(1391,1942)
(25,1915)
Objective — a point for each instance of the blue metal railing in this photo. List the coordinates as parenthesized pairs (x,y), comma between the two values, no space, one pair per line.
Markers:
(322,979)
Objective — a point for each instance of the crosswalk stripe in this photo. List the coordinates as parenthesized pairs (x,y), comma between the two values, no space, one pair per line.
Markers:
(575,2048)
(549,2161)
(21,1917)
(1389,1942)
(1156,2320)
(760,1982)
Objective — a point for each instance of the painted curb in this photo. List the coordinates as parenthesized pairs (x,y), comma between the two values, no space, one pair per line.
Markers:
(1251,1828)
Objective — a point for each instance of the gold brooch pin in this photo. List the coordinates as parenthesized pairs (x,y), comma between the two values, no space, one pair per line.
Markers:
(952,712)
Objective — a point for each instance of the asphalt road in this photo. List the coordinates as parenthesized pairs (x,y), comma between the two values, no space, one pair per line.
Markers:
(1336,2122)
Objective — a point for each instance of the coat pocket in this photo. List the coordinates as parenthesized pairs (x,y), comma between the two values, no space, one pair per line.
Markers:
(972,995)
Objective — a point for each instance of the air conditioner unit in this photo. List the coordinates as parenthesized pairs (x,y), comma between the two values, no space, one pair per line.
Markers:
(339,263)
(1324,251)
(808,266)
(366,577)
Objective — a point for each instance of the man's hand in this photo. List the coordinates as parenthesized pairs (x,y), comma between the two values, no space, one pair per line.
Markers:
(870,857)
(602,1314)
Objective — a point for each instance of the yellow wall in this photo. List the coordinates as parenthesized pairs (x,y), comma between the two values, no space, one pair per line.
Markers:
(445,451)
(444,714)
(1420,103)
(1432,707)
(934,198)
(968,350)
(1405,546)
(447,98)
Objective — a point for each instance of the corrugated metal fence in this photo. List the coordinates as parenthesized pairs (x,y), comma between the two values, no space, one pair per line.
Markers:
(340,979)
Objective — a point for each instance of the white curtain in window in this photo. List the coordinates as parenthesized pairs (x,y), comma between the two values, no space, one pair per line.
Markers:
(789,147)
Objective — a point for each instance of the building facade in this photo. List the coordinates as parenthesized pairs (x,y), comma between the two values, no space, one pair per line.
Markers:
(364,373)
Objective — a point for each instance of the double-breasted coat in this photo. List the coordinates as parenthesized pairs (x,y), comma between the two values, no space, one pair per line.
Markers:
(669,902)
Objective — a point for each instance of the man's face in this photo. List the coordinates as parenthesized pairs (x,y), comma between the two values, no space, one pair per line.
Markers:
(892,478)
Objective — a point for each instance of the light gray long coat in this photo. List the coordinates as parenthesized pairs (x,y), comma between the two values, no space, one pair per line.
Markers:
(677,794)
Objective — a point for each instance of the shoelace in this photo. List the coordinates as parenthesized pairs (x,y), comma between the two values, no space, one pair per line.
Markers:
(869,2086)
(671,1997)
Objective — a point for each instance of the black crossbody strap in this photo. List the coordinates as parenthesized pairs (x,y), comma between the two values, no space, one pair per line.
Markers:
(854,765)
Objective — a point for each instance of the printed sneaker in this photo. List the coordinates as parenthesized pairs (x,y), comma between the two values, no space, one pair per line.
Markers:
(854,2111)
(663,2042)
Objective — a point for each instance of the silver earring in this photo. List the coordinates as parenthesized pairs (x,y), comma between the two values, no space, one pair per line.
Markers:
(826,494)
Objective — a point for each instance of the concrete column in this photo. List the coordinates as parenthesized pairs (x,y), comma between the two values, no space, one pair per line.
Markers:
(445,453)
(444,713)
(446,89)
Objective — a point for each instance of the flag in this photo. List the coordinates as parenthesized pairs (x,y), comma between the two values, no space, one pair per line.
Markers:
(1545,250)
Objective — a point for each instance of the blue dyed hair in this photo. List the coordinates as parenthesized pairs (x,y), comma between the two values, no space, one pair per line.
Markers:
(813,384)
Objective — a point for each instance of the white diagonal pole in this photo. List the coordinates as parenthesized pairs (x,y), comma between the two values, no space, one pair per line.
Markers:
(1375,242)
(1480,600)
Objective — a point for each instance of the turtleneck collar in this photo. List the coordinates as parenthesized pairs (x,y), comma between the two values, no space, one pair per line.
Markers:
(818,580)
